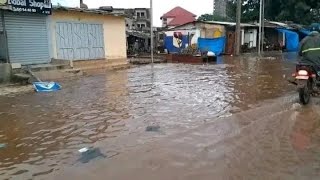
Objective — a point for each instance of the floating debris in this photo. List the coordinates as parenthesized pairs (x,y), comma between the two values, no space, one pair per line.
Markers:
(153,129)
(2,145)
(88,154)
(296,106)
(83,150)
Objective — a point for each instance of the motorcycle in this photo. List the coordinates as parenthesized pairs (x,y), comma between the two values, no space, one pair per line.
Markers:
(307,80)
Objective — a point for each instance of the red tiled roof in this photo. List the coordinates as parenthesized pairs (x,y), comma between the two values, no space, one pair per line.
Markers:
(180,16)
(179,20)
(178,11)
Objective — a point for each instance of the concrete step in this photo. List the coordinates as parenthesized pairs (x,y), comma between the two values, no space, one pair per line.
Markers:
(106,67)
(84,63)
(46,75)
(48,67)
(58,61)
(74,71)
(145,60)
(101,65)
(58,74)
(21,78)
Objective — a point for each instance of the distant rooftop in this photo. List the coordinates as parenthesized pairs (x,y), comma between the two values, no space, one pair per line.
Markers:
(229,23)
(92,11)
(218,23)
(178,11)
(179,16)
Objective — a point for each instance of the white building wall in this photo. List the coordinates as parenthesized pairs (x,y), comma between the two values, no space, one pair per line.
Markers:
(250,37)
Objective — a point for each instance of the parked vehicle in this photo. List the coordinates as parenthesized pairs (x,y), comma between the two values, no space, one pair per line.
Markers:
(307,82)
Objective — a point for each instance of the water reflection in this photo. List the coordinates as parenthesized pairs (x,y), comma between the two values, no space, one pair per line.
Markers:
(291,56)
(220,59)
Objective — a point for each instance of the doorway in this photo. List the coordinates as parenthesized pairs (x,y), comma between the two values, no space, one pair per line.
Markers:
(230,43)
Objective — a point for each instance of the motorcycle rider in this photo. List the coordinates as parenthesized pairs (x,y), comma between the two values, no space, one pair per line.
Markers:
(309,50)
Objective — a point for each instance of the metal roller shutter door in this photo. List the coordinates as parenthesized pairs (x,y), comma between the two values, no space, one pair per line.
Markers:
(79,41)
(27,38)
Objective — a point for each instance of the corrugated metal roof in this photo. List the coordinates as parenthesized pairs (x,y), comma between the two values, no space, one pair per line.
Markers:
(217,23)
(228,23)
(278,23)
(138,34)
(92,11)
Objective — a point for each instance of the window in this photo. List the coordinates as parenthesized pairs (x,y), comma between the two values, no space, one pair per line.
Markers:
(142,14)
(161,36)
(164,22)
(141,25)
(138,14)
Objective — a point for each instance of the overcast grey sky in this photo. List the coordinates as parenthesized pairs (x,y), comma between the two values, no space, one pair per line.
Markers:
(197,7)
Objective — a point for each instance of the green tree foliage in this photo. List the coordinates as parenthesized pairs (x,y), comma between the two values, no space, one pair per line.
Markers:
(212,17)
(298,11)
(250,10)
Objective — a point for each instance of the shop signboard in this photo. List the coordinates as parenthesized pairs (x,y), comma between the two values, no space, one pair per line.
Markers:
(32,6)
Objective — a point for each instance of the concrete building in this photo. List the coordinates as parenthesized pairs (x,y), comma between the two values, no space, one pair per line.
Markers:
(24,33)
(42,34)
(220,7)
(138,22)
(137,19)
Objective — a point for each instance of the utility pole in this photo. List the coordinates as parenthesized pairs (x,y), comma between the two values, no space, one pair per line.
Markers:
(238,28)
(260,28)
(151,30)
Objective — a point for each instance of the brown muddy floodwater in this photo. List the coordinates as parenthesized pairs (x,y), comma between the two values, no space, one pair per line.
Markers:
(43,132)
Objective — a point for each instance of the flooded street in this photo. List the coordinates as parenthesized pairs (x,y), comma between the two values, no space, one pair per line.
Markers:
(237,119)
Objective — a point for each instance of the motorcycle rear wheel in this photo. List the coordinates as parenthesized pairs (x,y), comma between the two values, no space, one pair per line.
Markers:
(304,95)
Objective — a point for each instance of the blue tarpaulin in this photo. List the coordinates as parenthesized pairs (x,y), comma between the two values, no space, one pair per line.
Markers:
(292,40)
(215,45)
(168,43)
(305,32)
(46,86)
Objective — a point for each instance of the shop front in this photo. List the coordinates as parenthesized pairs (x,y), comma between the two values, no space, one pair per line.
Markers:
(24,31)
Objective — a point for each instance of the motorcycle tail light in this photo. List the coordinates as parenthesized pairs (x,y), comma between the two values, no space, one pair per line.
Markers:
(303,73)
(313,76)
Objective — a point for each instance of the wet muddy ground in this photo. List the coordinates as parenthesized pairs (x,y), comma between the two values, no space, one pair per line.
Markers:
(237,119)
